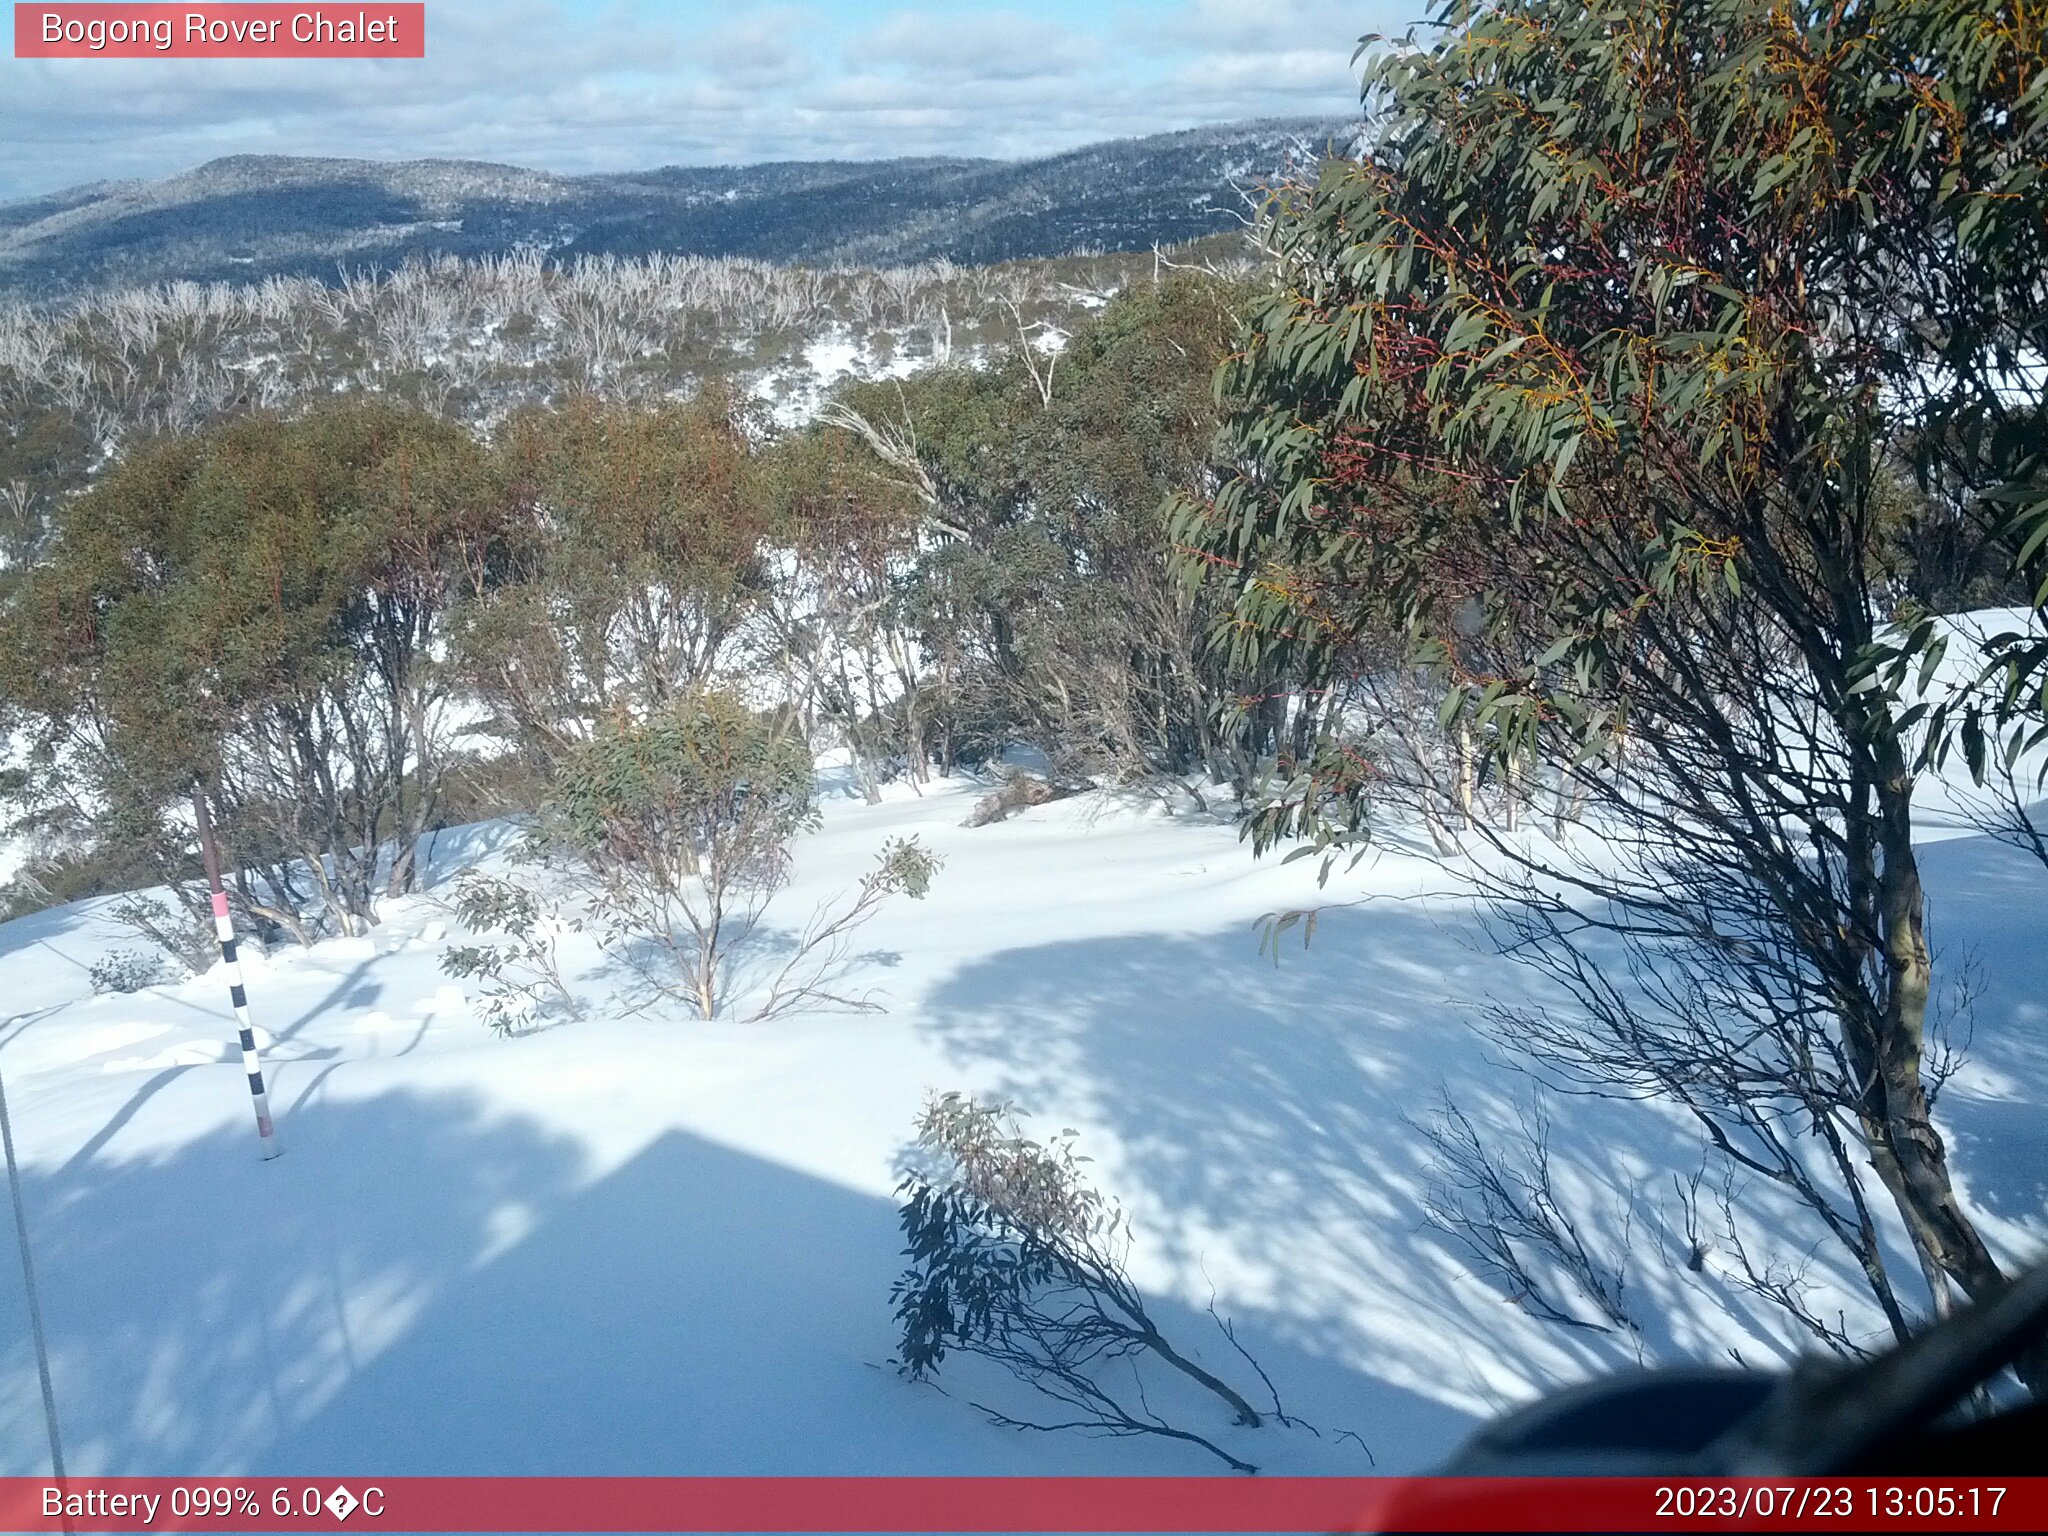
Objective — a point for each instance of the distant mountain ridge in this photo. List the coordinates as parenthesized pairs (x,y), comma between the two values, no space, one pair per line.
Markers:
(250,216)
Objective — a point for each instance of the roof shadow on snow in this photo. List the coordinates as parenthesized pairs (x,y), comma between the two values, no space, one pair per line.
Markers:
(201,1301)
(422,1286)
(702,1311)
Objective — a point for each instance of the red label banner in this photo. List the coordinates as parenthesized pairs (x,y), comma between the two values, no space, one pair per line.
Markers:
(1010,1504)
(218,31)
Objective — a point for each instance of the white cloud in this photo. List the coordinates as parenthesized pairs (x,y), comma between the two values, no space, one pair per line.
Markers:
(965,45)
(1291,70)
(1277,23)
(546,84)
(763,49)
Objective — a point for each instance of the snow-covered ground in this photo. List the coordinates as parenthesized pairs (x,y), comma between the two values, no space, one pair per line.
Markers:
(651,1244)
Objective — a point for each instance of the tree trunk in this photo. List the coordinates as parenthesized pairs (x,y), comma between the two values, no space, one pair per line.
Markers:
(1246,1414)
(1463,789)
(1905,1148)
(1571,802)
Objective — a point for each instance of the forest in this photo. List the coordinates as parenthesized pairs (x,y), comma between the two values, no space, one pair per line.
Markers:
(1618,496)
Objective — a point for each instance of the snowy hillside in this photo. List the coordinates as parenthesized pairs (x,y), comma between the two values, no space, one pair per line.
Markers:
(650,1244)
(246,218)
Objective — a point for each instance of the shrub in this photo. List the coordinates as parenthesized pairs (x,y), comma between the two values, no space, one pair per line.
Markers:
(1017,1258)
(683,821)
(1017,791)
(815,971)
(521,977)
(179,930)
(126,970)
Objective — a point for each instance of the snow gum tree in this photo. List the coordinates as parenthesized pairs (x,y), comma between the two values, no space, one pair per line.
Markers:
(255,611)
(843,636)
(636,566)
(1604,379)
(1040,592)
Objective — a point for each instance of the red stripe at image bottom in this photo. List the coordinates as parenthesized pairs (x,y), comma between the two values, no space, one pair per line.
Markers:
(977,1504)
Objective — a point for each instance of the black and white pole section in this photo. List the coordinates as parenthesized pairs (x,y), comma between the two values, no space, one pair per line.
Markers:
(224,928)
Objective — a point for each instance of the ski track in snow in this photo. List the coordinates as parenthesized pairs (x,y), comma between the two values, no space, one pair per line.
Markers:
(656,1245)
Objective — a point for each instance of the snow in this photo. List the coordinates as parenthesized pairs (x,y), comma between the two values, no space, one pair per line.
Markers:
(1950,804)
(794,389)
(650,1244)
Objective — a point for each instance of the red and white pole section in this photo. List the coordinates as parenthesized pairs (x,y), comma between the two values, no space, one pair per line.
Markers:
(224,930)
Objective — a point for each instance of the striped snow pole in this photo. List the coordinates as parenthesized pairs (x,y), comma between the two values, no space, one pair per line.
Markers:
(224,929)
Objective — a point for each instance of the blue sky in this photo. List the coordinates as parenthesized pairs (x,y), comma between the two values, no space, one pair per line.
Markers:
(580,85)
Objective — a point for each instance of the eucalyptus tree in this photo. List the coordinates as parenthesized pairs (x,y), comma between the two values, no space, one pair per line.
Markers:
(1040,589)
(257,611)
(636,566)
(1605,377)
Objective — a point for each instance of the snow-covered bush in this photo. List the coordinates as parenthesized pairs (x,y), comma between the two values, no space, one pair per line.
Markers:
(179,930)
(1016,791)
(521,976)
(126,970)
(1017,1258)
(681,825)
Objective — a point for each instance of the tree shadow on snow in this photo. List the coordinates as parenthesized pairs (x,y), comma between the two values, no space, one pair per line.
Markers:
(699,1311)
(1268,1110)
(1988,906)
